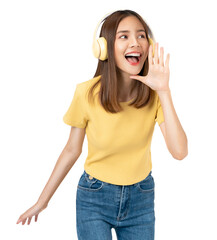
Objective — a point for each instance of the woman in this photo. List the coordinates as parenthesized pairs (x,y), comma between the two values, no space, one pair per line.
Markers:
(118,109)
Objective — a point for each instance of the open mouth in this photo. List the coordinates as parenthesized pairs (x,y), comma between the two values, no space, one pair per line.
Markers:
(133,59)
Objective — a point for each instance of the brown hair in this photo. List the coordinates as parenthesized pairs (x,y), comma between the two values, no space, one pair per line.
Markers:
(108,70)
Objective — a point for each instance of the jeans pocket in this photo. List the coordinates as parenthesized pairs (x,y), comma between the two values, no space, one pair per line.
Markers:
(147,185)
(89,183)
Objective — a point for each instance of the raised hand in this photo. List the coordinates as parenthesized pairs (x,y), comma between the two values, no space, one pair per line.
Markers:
(158,74)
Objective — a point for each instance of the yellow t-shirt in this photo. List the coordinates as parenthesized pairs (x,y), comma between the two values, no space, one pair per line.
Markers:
(118,143)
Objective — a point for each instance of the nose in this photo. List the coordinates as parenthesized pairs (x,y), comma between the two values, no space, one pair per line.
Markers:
(134,42)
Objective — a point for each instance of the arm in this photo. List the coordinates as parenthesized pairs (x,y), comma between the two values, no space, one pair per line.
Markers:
(174,135)
(66,160)
(158,79)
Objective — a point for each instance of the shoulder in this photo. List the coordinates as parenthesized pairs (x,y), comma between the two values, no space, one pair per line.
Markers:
(84,86)
(82,89)
(156,97)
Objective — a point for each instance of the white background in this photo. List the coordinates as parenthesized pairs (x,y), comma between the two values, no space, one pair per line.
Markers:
(45,50)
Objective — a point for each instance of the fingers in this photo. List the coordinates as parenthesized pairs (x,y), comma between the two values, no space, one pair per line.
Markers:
(167,60)
(150,57)
(24,219)
(20,219)
(161,56)
(156,54)
(29,220)
(158,60)
(31,212)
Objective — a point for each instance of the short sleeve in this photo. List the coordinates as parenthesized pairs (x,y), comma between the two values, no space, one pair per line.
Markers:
(75,115)
(159,113)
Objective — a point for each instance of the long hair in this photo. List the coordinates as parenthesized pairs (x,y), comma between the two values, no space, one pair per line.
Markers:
(108,93)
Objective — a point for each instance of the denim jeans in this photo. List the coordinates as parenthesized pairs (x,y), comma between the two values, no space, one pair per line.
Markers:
(101,206)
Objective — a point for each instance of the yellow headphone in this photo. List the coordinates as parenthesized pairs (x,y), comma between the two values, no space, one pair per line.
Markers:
(100,45)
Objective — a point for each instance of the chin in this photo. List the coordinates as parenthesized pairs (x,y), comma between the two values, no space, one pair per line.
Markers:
(132,72)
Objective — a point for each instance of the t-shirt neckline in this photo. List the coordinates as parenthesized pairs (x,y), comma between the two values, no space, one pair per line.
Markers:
(127,101)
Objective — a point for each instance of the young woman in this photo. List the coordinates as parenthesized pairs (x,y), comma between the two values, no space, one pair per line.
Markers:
(118,109)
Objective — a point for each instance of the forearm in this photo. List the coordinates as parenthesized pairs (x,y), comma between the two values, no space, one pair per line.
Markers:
(175,135)
(64,163)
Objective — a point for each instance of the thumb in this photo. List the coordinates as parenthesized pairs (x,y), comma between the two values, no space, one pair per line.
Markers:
(140,78)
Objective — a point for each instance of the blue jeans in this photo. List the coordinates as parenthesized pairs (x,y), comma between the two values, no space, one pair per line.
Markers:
(129,209)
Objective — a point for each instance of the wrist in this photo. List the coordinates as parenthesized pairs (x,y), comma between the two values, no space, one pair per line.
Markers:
(42,203)
(163,92)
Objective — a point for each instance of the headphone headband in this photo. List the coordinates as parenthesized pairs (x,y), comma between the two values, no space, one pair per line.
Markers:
(108,14)
(100,45)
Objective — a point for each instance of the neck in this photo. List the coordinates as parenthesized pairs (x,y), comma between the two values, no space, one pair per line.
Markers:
(125,84)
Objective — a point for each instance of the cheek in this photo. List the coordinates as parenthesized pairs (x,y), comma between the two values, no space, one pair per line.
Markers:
(119,50)
(146,49)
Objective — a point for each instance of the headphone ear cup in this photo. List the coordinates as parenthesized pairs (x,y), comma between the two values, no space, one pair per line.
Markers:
(103,48)
(96,48)
(100,48)
(151,42)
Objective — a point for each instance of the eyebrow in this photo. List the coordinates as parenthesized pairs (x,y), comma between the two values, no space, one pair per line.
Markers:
(126,31)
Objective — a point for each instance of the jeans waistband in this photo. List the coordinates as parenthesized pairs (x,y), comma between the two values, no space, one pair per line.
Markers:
(93,179)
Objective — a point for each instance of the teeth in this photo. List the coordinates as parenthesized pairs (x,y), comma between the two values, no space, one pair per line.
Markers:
(133,55)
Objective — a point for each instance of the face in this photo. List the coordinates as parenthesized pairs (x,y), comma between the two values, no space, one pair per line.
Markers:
(130,40)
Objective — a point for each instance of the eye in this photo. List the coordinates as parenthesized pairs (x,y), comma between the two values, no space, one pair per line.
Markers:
(123,36)
(143,36)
